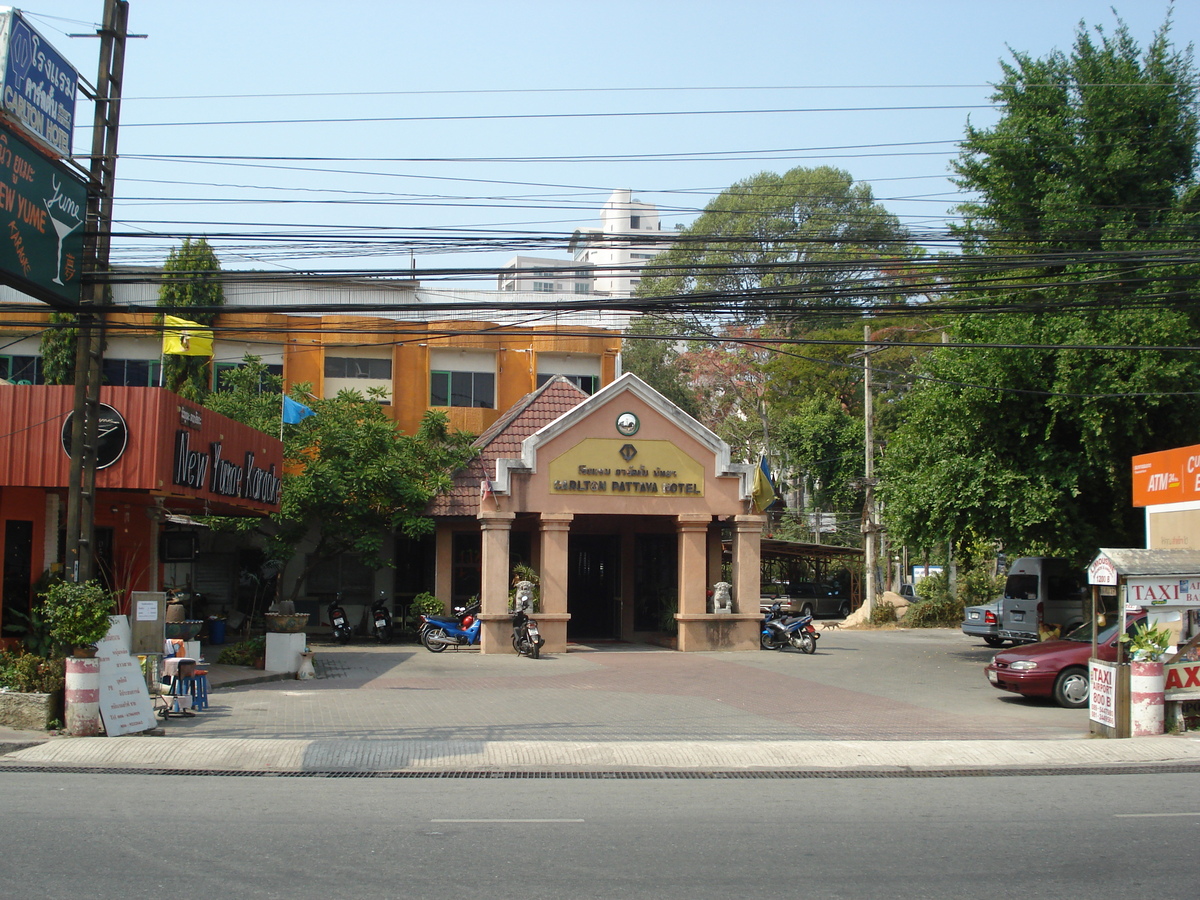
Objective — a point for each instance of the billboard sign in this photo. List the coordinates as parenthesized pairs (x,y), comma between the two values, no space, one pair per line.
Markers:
(39,86)
(42,210)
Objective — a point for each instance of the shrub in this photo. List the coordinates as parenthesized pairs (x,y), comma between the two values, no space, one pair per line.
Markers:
(77,613)
(246,653)
(884,613)
(26,673)
(425,604)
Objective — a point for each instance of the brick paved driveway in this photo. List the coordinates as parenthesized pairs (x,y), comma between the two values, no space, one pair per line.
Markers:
(883,685)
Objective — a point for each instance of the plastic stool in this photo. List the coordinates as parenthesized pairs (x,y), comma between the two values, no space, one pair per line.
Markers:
(196,685)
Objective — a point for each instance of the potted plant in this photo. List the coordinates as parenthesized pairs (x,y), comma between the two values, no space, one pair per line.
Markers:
(77,614)
(1146,646)
(1147,643)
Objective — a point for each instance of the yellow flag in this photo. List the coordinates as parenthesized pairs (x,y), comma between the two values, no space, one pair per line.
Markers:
(762,493)
(184,338)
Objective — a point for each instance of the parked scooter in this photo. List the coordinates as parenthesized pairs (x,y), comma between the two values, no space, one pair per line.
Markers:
(526,637)
(779,629)
(439,632)
(337,618)
(381,619)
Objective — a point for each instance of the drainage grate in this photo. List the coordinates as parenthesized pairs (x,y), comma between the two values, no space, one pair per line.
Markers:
(682,775)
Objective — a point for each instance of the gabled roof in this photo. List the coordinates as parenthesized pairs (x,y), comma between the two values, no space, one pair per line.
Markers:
(526,458)
(503,440)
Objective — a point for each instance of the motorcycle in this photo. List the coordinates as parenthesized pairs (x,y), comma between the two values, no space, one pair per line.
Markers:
(780,629)
(337,618)
(381,618)
(439,632)
(527,639)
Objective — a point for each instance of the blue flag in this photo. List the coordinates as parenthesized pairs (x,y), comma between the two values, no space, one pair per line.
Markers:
(294,412)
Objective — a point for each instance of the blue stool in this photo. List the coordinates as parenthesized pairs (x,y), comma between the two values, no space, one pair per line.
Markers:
(195,684)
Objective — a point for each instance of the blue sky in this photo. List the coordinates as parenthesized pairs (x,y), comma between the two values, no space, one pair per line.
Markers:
(443,126)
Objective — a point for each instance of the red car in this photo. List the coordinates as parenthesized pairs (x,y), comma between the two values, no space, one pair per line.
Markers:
(1057,669)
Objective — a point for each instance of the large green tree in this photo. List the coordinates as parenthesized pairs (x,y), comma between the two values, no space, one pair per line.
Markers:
(1085,197)
(351,477)
(192,288)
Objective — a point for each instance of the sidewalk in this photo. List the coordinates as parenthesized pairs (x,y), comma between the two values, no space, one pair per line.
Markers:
(619,709)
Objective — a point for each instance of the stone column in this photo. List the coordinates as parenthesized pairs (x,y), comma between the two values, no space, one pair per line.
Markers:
(693,572)
(496,636)
(747,562)
(555,563)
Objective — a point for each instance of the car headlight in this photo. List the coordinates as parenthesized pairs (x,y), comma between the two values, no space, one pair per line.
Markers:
(1022,665)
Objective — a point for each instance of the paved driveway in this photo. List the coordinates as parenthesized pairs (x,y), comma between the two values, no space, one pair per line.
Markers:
(877,685)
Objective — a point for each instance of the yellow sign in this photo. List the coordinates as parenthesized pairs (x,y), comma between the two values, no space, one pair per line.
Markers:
(626,468)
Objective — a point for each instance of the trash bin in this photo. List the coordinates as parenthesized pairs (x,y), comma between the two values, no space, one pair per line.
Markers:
(216,631)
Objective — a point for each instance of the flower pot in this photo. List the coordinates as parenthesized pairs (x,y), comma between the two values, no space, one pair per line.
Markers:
(1146,707)
(283,623)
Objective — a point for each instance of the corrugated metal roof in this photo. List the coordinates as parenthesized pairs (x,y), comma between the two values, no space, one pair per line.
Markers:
(1153,562)
(503,441)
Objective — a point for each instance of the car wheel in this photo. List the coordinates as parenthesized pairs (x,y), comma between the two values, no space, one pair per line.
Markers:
(992,641)
(1071,688)
(844,609)
(806,609)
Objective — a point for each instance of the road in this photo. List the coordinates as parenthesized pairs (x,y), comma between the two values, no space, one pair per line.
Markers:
(144,836)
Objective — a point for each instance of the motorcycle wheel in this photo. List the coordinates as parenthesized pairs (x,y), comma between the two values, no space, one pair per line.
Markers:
(431,645)
(535,650)
(767,644)
(805,644)
(344,636)
(384,635)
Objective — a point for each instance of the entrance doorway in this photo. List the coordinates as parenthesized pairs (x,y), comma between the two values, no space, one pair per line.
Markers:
(592,583)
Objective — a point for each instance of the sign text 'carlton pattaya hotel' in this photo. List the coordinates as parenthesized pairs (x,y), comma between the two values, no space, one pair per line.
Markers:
(626,468)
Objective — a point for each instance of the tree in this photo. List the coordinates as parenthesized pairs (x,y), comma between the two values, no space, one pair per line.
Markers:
(773,244)
(351,478)
(1085,185)
(192,289)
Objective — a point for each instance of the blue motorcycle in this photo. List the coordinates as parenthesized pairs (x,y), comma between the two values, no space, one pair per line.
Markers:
(439,632)
(779,629)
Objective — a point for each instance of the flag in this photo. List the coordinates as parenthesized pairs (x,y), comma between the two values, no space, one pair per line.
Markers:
(184,338)
(762,494)
(294,413)
(485,489)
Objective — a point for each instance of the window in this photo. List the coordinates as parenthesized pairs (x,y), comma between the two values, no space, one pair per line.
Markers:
(355,367)
(589,384)
(635,221)
(220,369)
(582,287)
(641,256)
(476,389)
(546,287)
(132,372)
(22,369)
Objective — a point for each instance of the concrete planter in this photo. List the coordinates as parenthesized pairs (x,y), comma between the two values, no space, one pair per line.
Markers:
(1146,709)
(30,712)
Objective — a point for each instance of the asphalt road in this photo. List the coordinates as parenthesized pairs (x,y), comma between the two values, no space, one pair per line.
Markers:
(134,836)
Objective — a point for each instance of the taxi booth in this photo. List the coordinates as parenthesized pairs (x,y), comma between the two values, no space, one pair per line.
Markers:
(1134,699)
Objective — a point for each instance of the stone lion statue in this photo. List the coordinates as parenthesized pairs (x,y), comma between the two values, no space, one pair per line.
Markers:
(524,596)
(722,600)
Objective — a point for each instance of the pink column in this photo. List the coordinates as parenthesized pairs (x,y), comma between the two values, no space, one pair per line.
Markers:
(693,587)
(747,562)
(1146,708)
(496,634)
(555,562)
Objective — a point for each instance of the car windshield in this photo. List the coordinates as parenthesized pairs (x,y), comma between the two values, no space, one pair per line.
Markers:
(1084,631)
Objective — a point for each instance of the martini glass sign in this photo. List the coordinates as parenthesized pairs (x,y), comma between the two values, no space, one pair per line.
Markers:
(62,210)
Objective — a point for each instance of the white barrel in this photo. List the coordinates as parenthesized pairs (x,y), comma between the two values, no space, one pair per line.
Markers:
(82,696)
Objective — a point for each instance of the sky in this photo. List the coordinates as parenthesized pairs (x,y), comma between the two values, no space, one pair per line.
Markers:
(398,136)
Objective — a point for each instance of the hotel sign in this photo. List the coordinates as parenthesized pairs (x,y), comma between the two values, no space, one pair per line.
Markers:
(39,85)
(626,468)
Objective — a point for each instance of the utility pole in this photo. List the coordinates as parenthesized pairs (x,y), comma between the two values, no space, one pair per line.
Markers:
(870,521)
(89,349)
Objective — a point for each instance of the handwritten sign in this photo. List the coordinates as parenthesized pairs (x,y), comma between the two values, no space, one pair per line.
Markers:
(125,704)
(1102,705)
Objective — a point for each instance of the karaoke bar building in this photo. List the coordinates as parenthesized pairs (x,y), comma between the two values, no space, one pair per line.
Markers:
(161,459)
